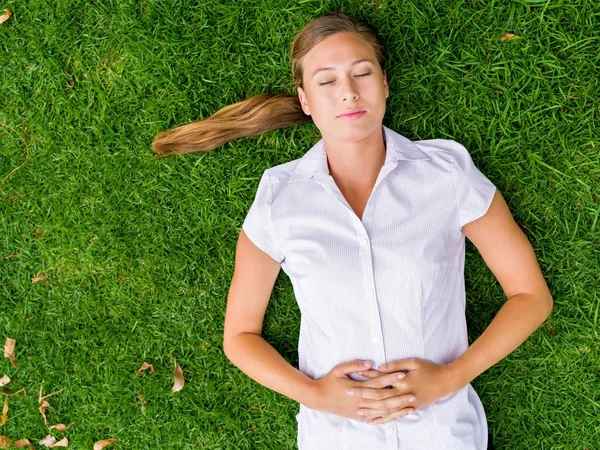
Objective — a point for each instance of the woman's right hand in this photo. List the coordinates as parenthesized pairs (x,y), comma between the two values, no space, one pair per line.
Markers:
(329,394)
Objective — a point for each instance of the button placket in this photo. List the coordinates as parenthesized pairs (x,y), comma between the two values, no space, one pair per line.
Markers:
(372,306)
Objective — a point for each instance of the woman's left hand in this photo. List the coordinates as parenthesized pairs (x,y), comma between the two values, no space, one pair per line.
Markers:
(426,380)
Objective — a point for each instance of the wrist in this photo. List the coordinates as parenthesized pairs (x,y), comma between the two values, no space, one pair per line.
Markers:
(310,396)
(458,375)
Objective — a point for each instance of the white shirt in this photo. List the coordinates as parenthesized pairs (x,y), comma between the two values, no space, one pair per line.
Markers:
(384,288)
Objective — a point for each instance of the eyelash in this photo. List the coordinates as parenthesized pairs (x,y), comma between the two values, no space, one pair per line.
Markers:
(361,75)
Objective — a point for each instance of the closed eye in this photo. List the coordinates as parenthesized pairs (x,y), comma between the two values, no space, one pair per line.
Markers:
(361,75)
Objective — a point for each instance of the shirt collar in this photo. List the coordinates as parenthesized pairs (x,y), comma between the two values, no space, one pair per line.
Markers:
(314,161)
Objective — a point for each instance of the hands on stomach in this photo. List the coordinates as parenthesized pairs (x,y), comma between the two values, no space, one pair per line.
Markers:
(392,392)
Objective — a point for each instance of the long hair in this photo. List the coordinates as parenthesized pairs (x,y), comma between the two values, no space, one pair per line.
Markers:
(264,112)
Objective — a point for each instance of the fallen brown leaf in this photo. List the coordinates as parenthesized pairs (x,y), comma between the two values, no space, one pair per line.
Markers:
(18,255)
(121,278)
(64,442)
(4,17)
(24,443)
(9,351)
(508,36)
(4,417)
(48,441)
(99,445)
(42,398)
(179,381)
(42,410)
(9,393)
(4,442)
(38,278)
(4,380)
(60,427)
(144,367)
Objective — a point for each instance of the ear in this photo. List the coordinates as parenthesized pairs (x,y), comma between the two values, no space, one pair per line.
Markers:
(303,102)
(385,83)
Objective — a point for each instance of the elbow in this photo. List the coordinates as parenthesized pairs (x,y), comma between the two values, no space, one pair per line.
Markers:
(548,303)
(227,345)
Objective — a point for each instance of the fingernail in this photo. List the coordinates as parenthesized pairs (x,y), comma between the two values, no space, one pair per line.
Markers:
(401,375)
(350,393)
(383,366)
(368,363)
(360,413)
(360,373)
(411,399)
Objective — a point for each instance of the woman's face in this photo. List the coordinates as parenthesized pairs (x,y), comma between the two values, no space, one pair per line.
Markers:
(341,75)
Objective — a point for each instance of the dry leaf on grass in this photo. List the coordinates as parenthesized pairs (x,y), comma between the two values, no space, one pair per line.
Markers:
(24,443)
(508,36)
(42,410)
(121,278)
(101,444)
(4,442)
(60,427)
(48,441)
(41,397)
(4,380)
(4,17)
(144,367)
(44,404)
(4,417)
(64,442)
(179,381)
(15,256)
(9,393)
(9,351)
(38,278)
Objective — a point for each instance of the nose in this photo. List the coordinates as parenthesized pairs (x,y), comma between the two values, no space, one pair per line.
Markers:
(349,90)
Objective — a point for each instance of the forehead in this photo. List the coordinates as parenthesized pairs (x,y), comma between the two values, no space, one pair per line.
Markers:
(340,49)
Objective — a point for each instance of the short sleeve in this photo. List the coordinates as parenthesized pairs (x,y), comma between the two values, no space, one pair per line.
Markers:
(258,224)
(474,191)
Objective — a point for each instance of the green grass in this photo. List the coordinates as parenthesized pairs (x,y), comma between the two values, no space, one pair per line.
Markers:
(89,84)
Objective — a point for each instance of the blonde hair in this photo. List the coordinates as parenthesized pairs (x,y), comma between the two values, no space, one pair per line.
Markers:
(264,112)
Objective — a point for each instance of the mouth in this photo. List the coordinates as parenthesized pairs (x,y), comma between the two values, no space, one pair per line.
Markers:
(352,115)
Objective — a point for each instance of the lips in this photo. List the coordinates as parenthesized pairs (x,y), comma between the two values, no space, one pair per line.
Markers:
(352,115)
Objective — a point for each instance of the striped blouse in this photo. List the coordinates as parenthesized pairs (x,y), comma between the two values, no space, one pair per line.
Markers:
(384,288)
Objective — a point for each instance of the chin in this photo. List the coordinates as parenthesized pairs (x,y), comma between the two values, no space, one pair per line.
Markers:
(356,132)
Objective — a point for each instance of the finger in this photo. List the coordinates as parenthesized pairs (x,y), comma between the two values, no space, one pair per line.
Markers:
(384,380)
(376,399)
(400,365)
(393,416)
(370,373)
(353,366)
(371,393)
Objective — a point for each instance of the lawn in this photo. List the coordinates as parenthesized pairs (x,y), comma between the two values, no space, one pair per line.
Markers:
(138,252)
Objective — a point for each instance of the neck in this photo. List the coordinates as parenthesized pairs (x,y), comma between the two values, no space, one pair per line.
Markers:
(356,164)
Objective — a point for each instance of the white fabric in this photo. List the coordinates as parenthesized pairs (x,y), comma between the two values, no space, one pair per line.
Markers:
(384,288)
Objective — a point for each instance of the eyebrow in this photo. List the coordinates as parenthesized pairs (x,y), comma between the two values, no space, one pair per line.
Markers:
(358,61)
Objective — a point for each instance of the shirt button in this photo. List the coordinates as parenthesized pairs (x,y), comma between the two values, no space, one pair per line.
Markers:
(369,292)
(389,430)
(363,242)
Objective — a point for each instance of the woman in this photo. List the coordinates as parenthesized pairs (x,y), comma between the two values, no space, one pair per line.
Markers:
(370,228)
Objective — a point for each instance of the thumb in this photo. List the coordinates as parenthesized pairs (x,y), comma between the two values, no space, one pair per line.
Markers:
(353,366)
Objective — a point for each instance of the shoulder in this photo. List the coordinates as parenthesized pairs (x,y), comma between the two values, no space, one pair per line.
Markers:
(440,146)
(282,172)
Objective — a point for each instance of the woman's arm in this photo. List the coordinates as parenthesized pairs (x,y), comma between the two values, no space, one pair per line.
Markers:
(251,287)
(254,276)
(509,255)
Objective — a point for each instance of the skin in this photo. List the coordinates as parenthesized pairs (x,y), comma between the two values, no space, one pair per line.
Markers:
(356,153)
